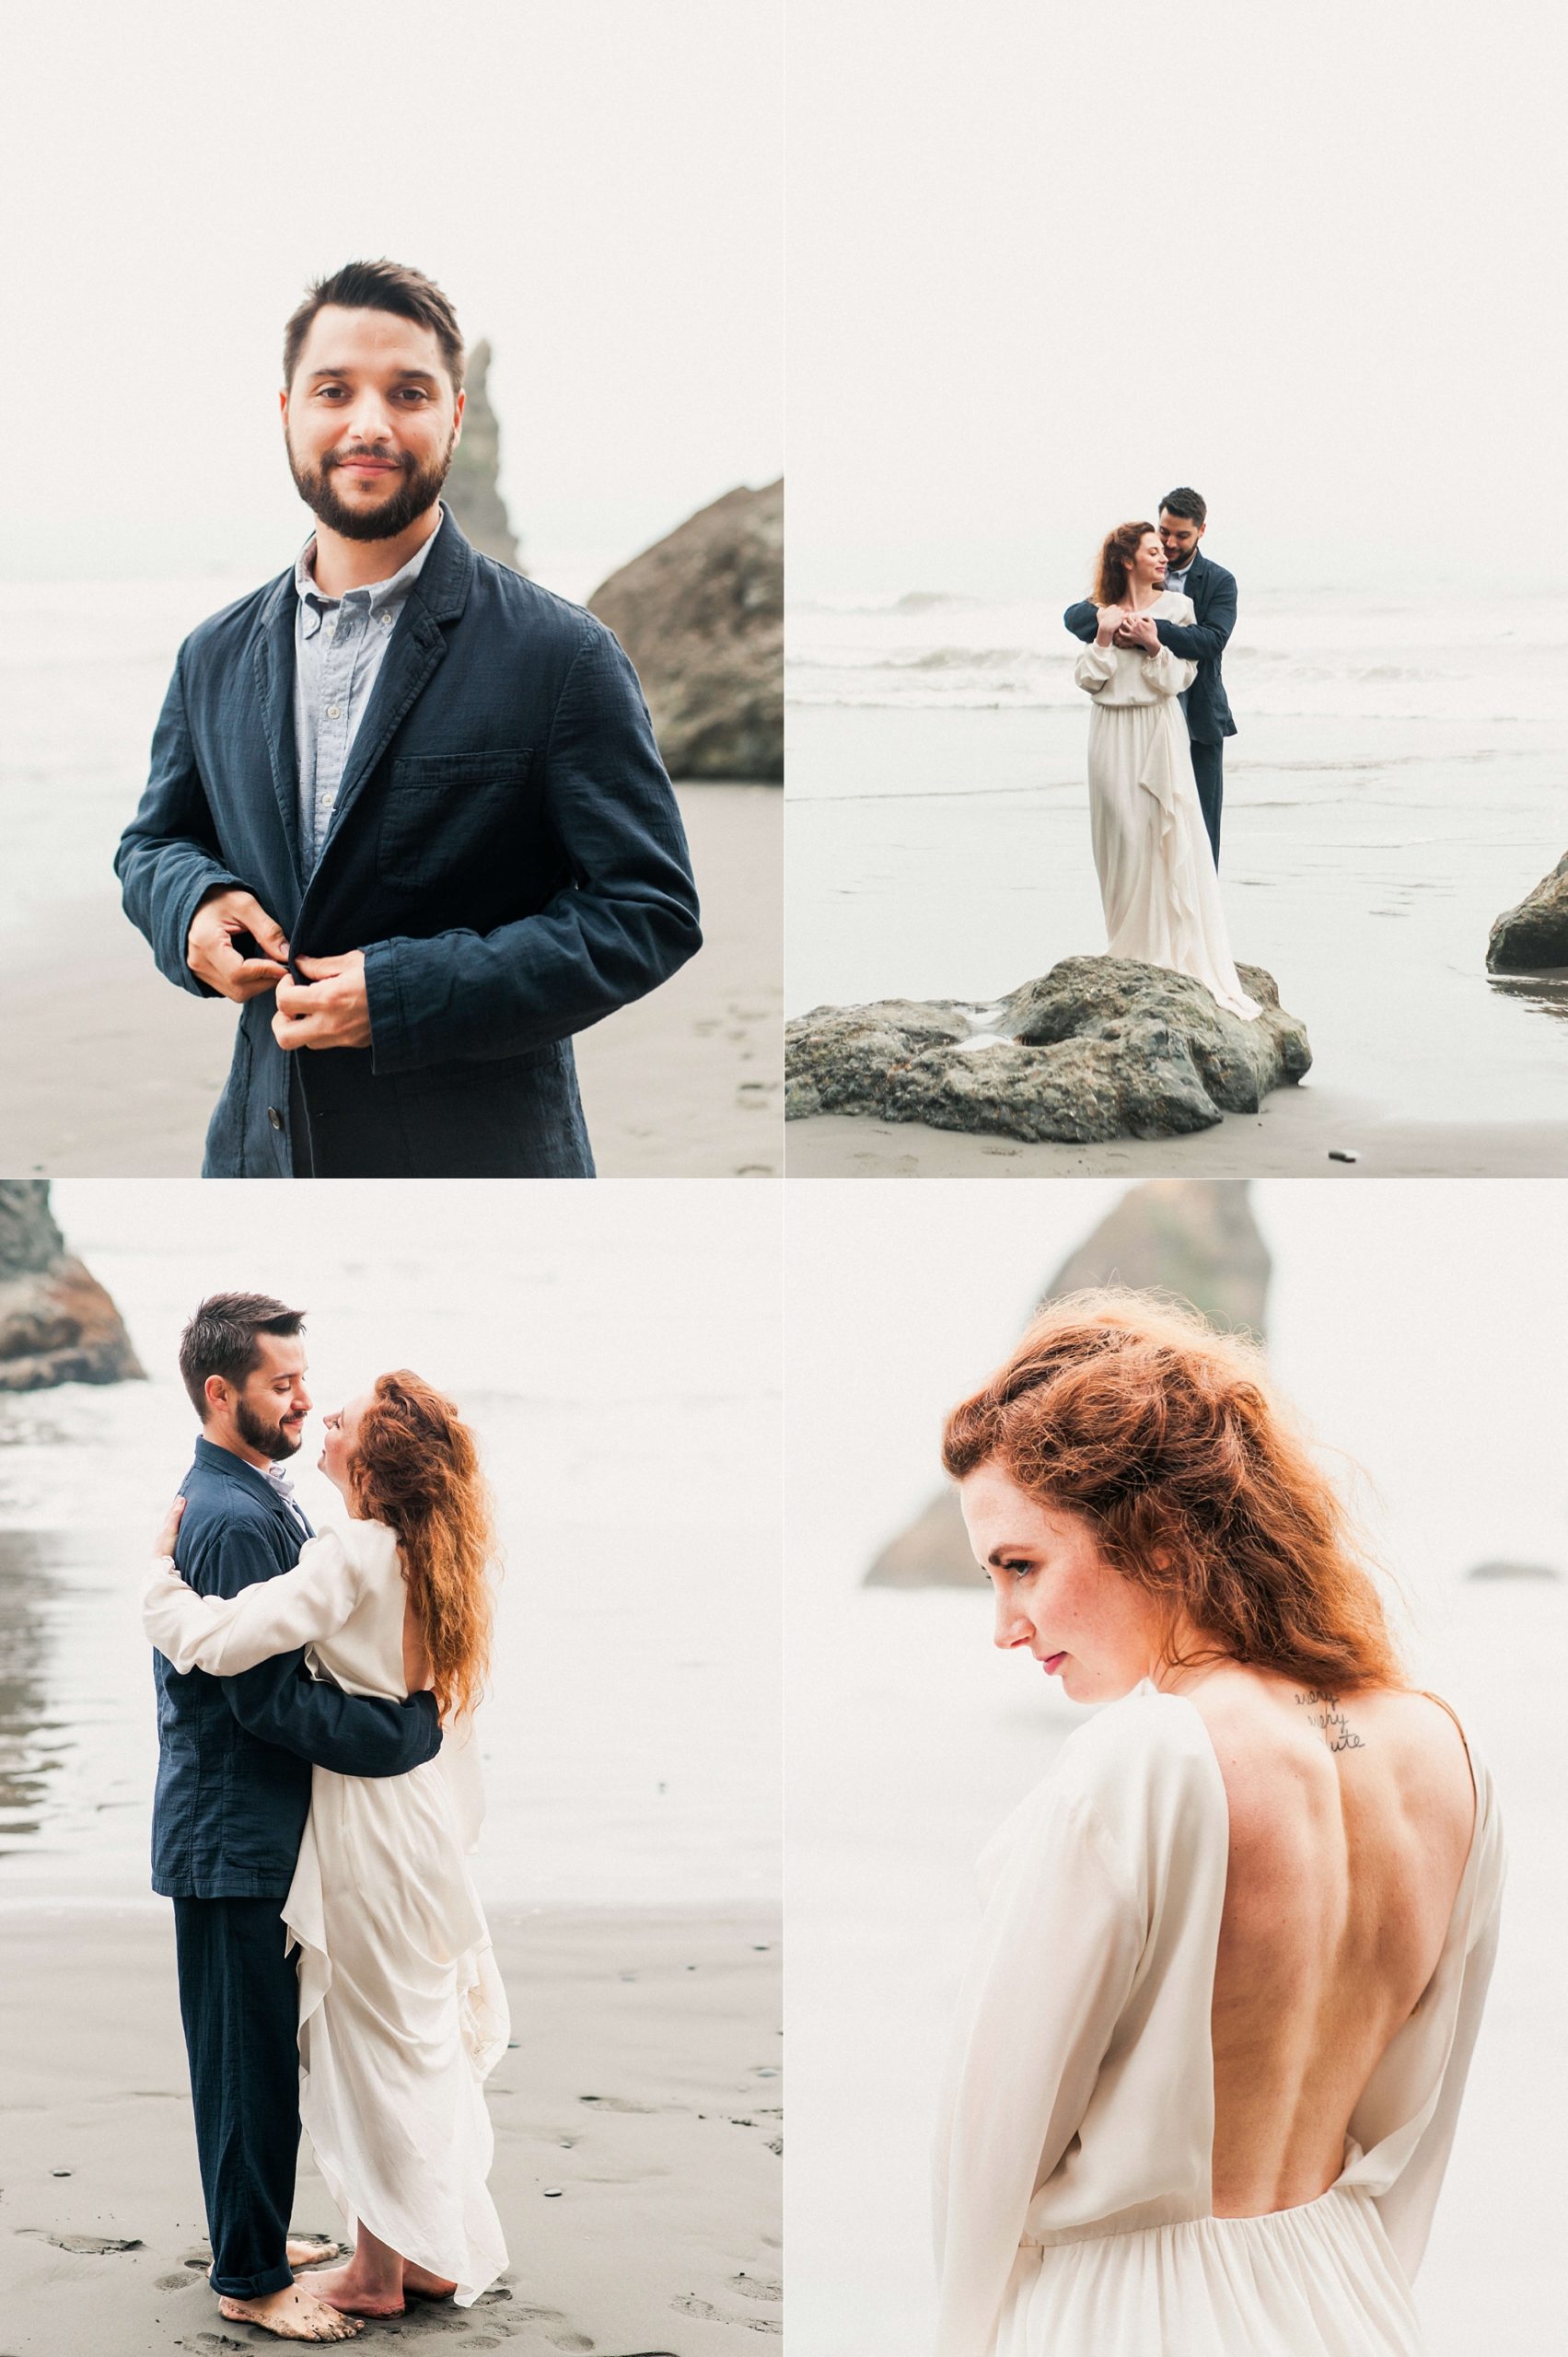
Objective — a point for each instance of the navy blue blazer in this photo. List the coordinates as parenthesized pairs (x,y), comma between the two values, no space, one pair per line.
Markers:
(235,1753)
(1202,641)
(506,850)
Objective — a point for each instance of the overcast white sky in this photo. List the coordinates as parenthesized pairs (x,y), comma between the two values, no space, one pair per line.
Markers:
(597,185)
(1048,259)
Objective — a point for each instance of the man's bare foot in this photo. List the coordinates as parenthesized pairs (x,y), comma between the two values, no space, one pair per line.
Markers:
(423,2285)
(311,2250)
(291,2314)
(356,2292)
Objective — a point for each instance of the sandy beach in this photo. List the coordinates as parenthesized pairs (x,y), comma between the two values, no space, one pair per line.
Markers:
(1296,1135)
(637,2122)
(108,1071)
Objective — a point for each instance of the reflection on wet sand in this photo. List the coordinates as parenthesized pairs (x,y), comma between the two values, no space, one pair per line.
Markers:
(29,1743)
(1547,992)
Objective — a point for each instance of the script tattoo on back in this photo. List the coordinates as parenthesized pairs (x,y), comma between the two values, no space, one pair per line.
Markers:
(1325,1713)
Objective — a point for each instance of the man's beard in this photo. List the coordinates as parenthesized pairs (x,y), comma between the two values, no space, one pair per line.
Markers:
(418,491)
(270,1440)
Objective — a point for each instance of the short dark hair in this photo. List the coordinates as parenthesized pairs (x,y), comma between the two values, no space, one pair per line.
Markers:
(221,1339)
(379,287)
(1185,501)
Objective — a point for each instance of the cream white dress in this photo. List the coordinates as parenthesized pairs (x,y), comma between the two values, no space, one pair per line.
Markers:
(1156,871)
(402,2010)
(1074,2216)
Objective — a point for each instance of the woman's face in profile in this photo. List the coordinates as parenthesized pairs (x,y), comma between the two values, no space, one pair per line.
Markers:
(336,1460)
(1056,1595)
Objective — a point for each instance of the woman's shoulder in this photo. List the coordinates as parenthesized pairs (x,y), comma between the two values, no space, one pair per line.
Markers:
(1144,1764)
(1138,1783)
(361,1548)
(1176,606)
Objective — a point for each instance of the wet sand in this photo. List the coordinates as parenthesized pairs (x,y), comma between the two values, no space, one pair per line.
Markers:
(636,2089)
(1296,1135)
(106,1070)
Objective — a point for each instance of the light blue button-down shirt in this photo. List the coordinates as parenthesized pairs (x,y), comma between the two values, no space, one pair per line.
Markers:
(338,643)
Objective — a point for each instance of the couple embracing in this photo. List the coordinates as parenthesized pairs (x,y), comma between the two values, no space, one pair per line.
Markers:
(317,1792)
(1157,628)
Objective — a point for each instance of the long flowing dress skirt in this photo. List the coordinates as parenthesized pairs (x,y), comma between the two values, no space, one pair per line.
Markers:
(1158,881)
(401,2017)
(1319,2281)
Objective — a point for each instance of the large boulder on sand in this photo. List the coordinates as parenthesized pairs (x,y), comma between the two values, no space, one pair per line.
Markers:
(1533,937)
(1099,1048)
(57,1324)
(700,614)
(1195,1239)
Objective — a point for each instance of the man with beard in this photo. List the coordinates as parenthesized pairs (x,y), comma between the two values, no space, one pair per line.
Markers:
(405,806)
(233,1793)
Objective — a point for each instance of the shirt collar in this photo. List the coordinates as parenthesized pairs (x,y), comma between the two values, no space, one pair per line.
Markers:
(376,599)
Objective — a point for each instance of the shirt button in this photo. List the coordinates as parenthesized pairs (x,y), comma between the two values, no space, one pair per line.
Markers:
(330,627)
(385,621)
(275,1117)
(334,712)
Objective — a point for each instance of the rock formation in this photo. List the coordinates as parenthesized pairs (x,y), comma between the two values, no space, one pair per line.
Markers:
(1099,1048)
(700,614)
(57,1324)
(1191,1237)
(1534,937)
(472,491)
(1500,1570)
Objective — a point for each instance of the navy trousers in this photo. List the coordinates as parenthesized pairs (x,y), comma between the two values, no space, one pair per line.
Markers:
(240,2001)
(1208,768)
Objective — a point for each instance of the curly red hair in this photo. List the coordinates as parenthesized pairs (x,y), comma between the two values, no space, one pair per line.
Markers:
(1165,1436)
(415,1467)
(1113,568)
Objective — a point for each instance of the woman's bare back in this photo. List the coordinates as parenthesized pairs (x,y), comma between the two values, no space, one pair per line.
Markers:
(1351,1821)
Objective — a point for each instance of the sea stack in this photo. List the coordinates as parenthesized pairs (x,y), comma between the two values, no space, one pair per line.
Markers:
(57,1324)
(472,489)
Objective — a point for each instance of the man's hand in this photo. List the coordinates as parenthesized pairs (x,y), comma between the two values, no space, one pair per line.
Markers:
(1139,630)
(332,1013)
(211,954)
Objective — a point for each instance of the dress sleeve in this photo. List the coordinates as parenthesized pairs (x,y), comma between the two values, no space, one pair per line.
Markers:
(226,1634)
(1058,1950)
(1167,674)
(1094,669)
(1406,2208)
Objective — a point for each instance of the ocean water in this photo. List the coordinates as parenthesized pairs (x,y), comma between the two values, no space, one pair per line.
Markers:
(1401,777)
(1419,1331)
(615,1349)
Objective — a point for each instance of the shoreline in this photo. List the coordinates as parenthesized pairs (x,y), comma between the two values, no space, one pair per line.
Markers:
(1292,1137)
(108,1071)
(642,2091)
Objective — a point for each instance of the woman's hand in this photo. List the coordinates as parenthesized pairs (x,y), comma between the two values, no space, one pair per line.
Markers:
(164,1543)
(1110,620)
(1139,631)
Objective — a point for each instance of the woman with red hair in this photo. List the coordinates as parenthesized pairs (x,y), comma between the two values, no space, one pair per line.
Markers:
(1158,880)
(1209,2051)
(401,2011)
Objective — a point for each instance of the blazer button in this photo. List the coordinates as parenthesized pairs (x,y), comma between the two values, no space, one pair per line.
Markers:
(275,1117)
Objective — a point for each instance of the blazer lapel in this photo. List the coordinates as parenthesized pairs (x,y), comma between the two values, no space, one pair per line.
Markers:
(274,655)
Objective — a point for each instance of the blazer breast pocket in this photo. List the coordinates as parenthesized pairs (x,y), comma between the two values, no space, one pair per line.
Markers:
(446,813)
